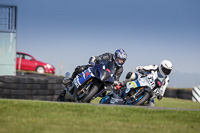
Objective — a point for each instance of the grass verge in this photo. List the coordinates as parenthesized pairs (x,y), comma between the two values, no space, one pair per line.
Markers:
(53,117)
(169,103)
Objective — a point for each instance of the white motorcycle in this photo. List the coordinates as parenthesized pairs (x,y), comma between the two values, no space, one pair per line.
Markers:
(137,92)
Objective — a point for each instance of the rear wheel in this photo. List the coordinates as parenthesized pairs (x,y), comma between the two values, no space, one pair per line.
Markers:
(40,69)
(61,97)
(91,93)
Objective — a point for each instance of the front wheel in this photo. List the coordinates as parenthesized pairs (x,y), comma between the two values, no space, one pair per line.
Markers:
(87,98)
(40,69)
(140,100)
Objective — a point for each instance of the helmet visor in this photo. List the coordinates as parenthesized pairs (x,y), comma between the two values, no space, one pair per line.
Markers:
(121,61)
(165,70)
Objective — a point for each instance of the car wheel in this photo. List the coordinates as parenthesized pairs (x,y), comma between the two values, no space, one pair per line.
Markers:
(40,69)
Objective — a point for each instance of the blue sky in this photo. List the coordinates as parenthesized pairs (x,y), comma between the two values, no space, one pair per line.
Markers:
(148,30)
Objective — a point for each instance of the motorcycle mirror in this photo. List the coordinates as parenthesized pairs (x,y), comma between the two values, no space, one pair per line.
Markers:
(67,75)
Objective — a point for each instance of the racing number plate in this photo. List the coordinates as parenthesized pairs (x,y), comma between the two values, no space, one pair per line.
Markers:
(84,76)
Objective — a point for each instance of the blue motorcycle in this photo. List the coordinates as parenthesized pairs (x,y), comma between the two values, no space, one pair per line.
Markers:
(91,83)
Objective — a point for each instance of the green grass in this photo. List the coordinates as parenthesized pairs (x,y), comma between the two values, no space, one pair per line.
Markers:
(170,103)
(19,116)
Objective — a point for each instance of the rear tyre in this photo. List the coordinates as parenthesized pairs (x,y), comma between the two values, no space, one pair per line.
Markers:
(40,69)
(87,98)
(61,97)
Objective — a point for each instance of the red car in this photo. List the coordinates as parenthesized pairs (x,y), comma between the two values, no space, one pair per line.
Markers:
(29,63)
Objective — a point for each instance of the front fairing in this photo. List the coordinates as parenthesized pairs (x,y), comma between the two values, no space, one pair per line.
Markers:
(83,77)
(104,71)
(147,81)
(151,81)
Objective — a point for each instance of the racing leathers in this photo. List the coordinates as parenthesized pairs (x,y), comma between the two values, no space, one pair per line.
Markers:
(145,70)
(106,56)
(163,78)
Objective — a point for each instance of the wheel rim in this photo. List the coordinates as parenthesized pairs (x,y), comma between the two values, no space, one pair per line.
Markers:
(40,70)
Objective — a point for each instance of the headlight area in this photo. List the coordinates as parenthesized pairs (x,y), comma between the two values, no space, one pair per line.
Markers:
(49,69)
(48,66)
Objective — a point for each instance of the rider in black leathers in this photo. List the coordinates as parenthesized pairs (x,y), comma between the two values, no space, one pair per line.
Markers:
(119,57)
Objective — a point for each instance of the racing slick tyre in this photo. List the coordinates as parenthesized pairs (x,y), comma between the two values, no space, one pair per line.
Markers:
(87,98)
(140,101)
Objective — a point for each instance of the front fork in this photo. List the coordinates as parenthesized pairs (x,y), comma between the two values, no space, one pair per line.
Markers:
(138,92)
(75,90)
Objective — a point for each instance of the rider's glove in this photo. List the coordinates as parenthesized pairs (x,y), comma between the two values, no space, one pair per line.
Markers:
(92,61)
(117,87)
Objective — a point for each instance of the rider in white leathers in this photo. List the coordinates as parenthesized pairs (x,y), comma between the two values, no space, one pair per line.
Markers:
(163,70)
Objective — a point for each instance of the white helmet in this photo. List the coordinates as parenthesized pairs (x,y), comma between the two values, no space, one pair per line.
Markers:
(165,67)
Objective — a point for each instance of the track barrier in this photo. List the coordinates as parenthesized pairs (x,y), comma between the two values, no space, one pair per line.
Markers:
(28,87)
(46,87)
(179,93)
(196,94)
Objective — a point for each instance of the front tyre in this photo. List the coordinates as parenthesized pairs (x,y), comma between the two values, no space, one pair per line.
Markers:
(87,98)
(40,69)
(140,100)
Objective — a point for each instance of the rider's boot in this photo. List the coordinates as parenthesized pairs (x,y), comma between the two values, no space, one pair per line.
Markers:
(68,81)
(151,103)
(75,94)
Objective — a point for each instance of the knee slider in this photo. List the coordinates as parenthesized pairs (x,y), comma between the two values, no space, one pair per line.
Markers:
(128,75)
(131,75)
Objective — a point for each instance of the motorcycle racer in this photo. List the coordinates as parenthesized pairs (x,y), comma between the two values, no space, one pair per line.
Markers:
(119,58)
(163,70)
